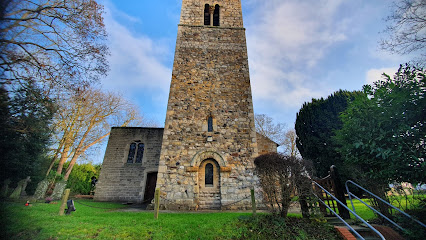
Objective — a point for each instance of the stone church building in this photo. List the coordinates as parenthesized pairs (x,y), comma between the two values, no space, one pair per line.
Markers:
(203,158)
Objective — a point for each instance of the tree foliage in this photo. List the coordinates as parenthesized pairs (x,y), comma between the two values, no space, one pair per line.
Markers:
(25,133)
(281,177)
(383,133)
(316,123)
(85,119)
(266,126)
(52,41)
(406,32)
(80,179)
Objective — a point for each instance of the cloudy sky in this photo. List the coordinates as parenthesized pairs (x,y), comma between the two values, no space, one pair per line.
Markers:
(298,50)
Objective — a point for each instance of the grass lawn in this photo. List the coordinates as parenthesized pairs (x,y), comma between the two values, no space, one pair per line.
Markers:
(368,214)
(41,221)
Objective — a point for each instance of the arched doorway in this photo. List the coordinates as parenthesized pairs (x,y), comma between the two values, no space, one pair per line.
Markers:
(209,185)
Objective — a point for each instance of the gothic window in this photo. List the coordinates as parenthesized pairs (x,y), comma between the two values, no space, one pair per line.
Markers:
(216,15)
(132,151)
(210,124)
(136,149)
(139,155)
(207,15)
(209,174)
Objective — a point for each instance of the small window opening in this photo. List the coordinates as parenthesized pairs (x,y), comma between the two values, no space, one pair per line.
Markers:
(139,155)
(132,151)
(209,174)
(216,18)
(210,124)
(207,15)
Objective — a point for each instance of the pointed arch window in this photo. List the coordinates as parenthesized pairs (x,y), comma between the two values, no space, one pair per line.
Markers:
(216,15)
(210,124)
(132,151)
(209,174)
(207,15)
(139,155)
(136,151)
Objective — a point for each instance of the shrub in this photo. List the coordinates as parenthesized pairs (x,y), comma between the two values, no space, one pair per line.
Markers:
(281,177)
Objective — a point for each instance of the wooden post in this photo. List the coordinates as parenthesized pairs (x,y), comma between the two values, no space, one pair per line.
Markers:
(157,203)
(253,202)
(64,201)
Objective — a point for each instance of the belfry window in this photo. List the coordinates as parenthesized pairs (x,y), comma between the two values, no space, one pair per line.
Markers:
(216,13)
(210,124)
(207,15)
(138,150)
(209,174)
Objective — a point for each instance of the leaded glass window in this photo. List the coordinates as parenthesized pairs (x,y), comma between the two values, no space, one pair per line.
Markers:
(132,151)
(139,155)
(207,15)
(216,18)
(210,124)
(209,174)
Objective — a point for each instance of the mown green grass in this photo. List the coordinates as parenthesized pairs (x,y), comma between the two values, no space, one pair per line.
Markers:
(402,202)
(41,221)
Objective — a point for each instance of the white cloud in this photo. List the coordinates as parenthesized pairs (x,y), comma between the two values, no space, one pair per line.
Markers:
(376,74)
(136,61)
(286,40)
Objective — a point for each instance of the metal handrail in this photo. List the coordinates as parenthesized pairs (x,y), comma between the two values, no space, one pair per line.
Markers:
(350,194)
(347,224)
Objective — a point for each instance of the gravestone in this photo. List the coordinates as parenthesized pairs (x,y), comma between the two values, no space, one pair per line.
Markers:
(59,190)
(16,194)
(41,189)
(5,188)
(24,186)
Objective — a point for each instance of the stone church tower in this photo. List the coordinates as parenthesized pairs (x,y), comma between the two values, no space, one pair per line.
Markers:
(203,158)
(209,141)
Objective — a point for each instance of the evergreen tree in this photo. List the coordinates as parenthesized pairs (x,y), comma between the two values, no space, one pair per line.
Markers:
(315,127)
(383,133)
(25,123)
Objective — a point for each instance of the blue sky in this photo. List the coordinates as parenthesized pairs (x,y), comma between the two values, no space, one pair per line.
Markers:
(298,50)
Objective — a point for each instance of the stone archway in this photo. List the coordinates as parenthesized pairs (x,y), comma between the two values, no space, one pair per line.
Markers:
(209,196)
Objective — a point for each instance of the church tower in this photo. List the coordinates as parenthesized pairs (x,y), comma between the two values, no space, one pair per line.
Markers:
(209,141)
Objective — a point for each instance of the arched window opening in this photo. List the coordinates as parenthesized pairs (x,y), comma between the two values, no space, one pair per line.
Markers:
(216,18)
(207,15)
(210,124)
(209,174)
(139,155)
(132,151)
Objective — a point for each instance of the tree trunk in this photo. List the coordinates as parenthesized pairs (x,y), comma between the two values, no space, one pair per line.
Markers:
(63,159)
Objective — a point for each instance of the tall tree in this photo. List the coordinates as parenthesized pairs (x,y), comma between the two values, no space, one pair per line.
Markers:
(52,41)
(25,133)
(85,119)
(383,133)
(266,126)
(315,125)
(406,32)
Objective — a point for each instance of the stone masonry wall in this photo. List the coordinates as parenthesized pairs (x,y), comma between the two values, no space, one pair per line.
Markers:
(210,79)
(125,182)
(265,145)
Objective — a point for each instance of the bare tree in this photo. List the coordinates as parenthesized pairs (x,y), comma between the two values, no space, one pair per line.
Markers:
(281,178)
(289,144)
(406,32)
(266,126)
(85,119)
(52,41)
